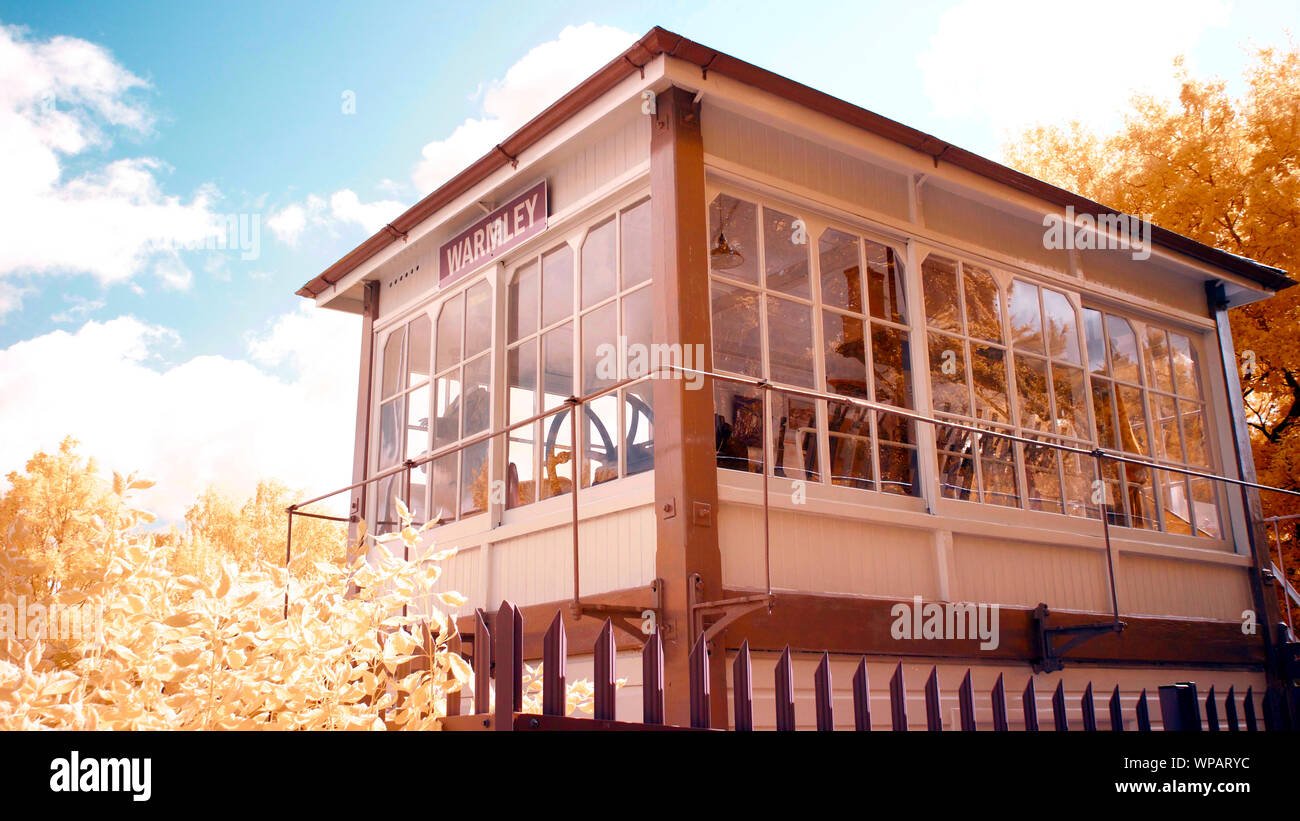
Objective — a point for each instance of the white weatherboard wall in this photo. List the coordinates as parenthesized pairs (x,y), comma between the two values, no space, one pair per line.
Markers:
(1131,682)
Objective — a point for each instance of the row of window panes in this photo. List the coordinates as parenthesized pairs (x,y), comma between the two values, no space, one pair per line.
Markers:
(987,348)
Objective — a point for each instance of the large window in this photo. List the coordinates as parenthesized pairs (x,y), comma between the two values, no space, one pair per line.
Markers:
(1148,402)
(404,419)
(573,315)
(1010,356)
(833,320)
(462,402)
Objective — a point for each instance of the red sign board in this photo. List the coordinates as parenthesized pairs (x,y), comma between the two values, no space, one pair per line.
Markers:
(493,235)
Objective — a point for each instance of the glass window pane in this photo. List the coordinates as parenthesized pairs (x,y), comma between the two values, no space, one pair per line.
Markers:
(446,428)
(794,438)
(557,455)
(393,362)
(1044,483)
(885,293)
(1026,319)
(948,385)
(736,336)
(1096,341)
(1080,473)
(1140,497)
(1071,402)
(478,319)
(989,380)
(733,239)
(417,422)
(1001,484)
(850,444)
(1187,376)
(1133,420)
(1178,514)
(521,477)
(845,354)
(557,285)
(983,304)
(389,488)
(450,319)
(390,417)
(785,253)
(957,479)
(1031,392)
(1205,508)
(1123,349)
(837,253)
(474,479)
(942,307)
(521,303)
(639,428)
(738,426)
(897,453)
(790,342)
(599,279)
(600,440)
(478,396)
(1062,329)
(1103,408)
(1158,373)
(1169,443)
(557,366)
(891,360)
(600,359)
(635,239)
(638,322)
(444,488)
(1194,434)
(417,355)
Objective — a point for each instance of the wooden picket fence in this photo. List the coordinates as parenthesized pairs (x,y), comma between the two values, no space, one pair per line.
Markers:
(1180,704)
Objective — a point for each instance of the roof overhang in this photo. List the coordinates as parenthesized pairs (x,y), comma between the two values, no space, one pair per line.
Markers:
(660,42)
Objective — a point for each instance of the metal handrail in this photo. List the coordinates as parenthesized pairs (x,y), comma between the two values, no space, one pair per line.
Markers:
(572,404)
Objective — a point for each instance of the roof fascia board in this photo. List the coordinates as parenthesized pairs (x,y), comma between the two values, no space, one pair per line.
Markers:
(627,89)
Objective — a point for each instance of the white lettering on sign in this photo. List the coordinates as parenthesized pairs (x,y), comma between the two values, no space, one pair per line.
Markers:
(493,235)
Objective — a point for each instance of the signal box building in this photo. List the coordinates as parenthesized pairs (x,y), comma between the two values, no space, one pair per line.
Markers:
(687,244)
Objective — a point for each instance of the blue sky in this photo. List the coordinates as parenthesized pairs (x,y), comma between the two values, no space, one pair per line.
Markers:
(237,109)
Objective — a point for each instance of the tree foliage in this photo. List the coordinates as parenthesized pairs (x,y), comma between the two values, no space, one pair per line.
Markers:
(1224,171)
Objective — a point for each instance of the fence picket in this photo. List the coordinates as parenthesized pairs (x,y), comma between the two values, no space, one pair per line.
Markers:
(1230,710)
(604,675)
(1029,699)
(898,701)
(784,693)
(652,680)
(555,650)
(699,674)
(742,675)
(861,698)
(1059,722)
(482,664)
(1089,707)
(822,683)
(1116,712)
(933,715)
(999,698)
(966,703)
(1143,713)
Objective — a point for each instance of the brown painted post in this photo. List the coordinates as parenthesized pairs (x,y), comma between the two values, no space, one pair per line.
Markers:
(482,662)
(1264,593)
(365,382)
(686,485)
(509,662)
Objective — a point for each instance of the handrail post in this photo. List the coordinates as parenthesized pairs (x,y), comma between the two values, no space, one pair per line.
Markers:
(1105,529)
(574,404)
(769,458)
(288,556)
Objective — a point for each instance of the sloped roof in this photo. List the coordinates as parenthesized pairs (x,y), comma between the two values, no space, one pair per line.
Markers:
(659,41)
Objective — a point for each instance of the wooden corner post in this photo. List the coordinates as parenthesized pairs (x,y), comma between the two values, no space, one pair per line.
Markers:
(365,386)
(686,475)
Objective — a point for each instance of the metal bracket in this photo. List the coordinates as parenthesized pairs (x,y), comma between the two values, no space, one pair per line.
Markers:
(729,610)
(622,616)
(1050,657)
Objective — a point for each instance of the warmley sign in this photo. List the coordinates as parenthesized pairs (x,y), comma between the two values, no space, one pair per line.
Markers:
(498,232)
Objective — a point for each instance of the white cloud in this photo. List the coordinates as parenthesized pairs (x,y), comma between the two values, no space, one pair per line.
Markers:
(538,79)
(78,309)
(344,208)
(286,412)
(1017,62)
(60,99)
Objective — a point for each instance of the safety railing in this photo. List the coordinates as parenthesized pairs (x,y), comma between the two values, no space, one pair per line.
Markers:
(575,404)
